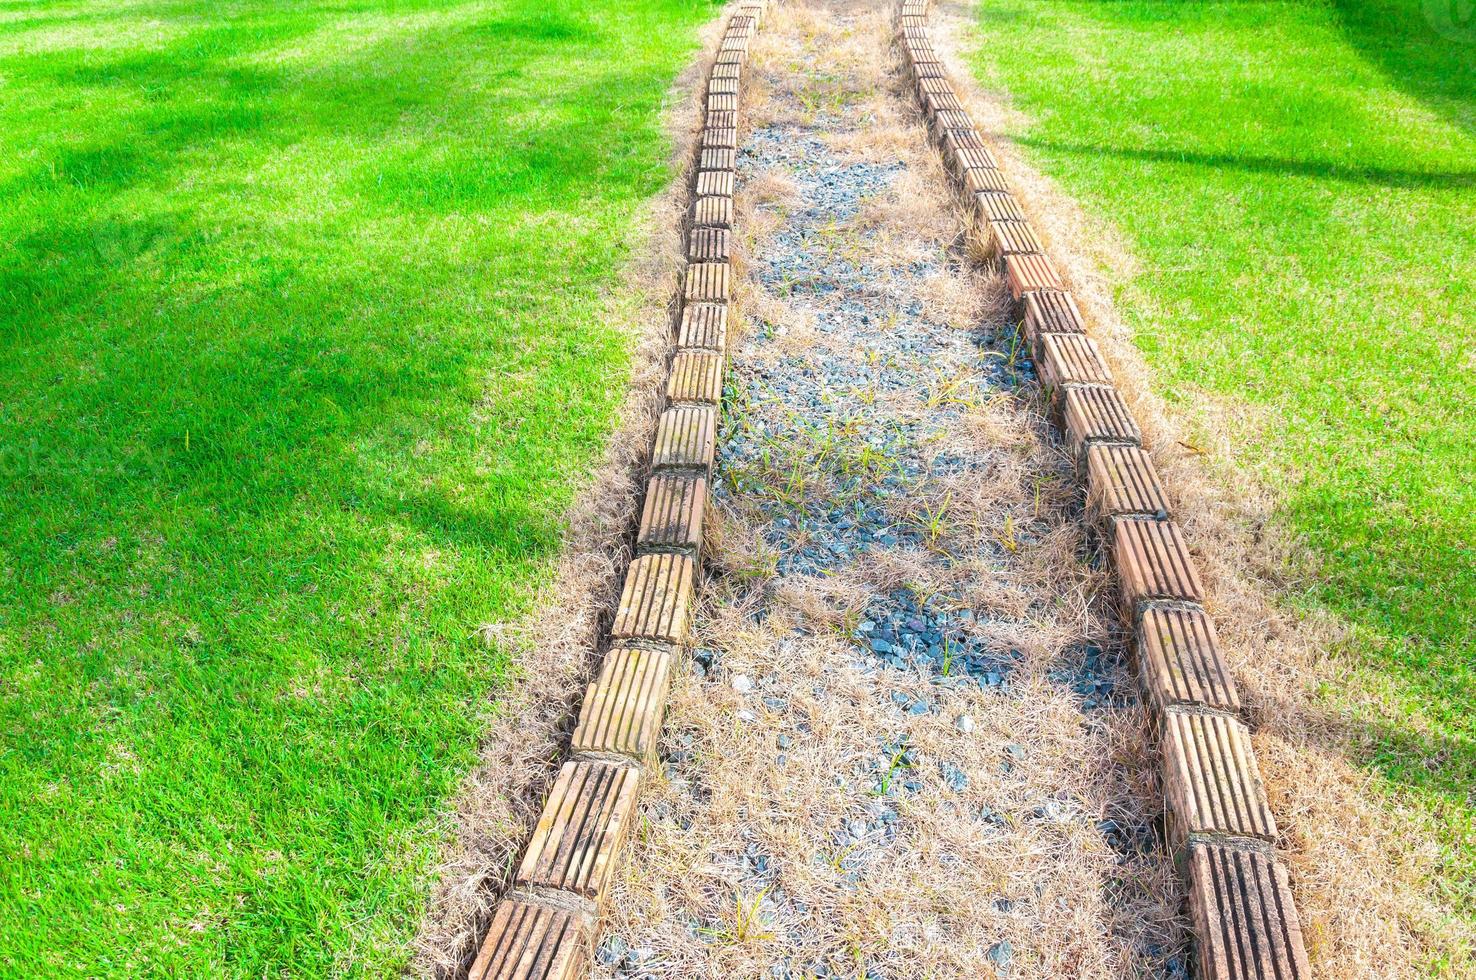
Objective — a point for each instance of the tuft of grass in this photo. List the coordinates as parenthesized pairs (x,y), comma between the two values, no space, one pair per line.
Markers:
(895,764)
(1007,537)
(933,521)
(301,355)
(747,923)
(1318,275)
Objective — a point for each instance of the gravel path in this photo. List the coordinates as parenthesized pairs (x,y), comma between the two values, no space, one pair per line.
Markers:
(908,745)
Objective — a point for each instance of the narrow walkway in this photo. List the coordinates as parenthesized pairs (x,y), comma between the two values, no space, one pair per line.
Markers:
(908,745)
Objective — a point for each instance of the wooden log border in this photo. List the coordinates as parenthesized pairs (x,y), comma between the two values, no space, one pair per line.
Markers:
(546,926)
(1220,825)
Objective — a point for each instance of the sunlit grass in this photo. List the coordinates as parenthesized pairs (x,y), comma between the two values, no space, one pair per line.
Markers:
(1298,180)
(301,351)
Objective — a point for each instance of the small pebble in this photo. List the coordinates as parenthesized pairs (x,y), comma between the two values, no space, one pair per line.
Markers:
(964,724)
(742,683)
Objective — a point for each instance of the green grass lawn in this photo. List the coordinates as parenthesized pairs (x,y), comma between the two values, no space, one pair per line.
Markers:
(1298,179)
(301,353)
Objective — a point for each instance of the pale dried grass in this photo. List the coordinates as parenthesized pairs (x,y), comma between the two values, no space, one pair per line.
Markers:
(933,901)
(552,651)
(1361,861)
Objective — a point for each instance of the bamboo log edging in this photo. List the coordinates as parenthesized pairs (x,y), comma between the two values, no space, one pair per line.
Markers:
(1220,825)
(545,927)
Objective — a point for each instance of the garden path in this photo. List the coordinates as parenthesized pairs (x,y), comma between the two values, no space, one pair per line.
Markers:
(909,743)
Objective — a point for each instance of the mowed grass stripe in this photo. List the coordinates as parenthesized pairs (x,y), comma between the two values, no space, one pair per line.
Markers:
(301,352)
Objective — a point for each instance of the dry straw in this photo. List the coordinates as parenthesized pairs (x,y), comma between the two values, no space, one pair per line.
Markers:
(746,863)
(553,652)
(1360,861)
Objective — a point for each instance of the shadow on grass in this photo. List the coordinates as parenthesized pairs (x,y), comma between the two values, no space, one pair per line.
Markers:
(204,101)
(1250,163)
(296,356)
(212,317)
(202,96)
(1432,61)
(1444,786)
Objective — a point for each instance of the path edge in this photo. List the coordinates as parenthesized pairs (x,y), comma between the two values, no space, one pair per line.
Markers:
(1219,822)
(546,925)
